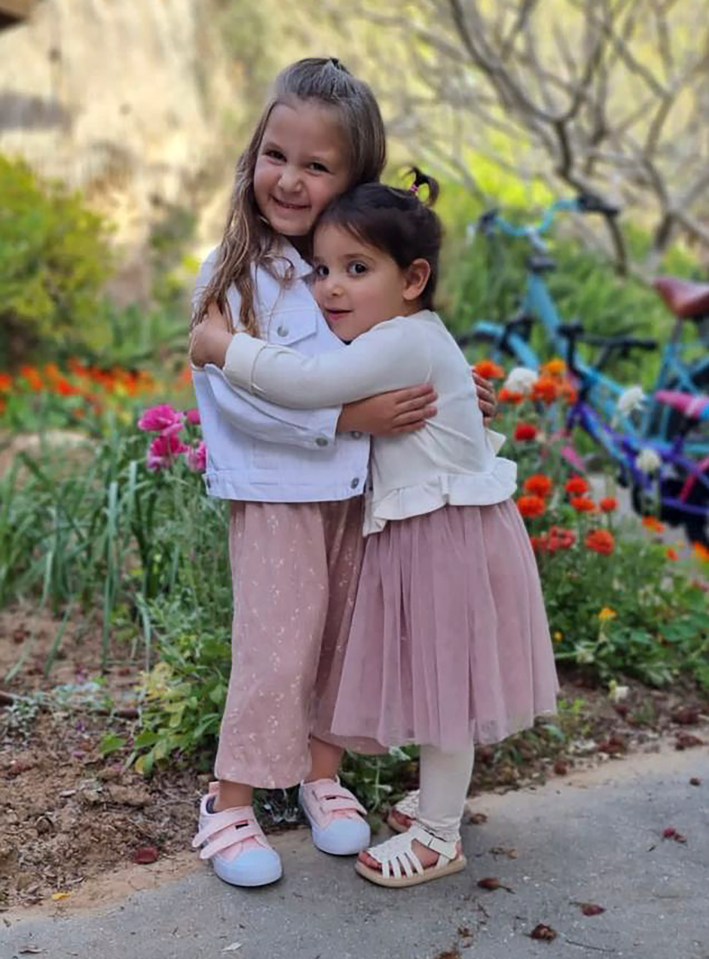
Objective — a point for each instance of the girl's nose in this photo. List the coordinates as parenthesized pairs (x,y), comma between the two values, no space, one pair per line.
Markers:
(290,179)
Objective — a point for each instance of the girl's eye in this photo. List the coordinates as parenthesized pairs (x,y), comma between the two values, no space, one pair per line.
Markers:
(275,154)
(321,272)
(357,269)
(318,167)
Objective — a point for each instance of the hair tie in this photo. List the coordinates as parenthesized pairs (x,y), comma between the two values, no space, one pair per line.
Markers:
(414,188)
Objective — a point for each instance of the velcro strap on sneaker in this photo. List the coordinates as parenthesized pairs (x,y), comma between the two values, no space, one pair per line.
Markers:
(333,797)
(230,837)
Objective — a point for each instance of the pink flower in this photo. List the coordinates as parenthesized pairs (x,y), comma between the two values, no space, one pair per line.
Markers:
(163,451)
(161,419)
(196,457)
(192,417)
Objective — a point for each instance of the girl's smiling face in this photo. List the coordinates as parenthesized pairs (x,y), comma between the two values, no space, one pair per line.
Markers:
(302,165)
(358,285)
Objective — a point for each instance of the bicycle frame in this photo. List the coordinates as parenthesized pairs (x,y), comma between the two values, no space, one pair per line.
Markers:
(603,392)
(624,449)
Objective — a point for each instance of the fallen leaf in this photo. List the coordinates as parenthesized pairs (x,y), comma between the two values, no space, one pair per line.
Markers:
(591,909)
(613,746)
(477,818)
(561,768)
(145,855)
(544,932)
(671,833)
(232,948)
(687,741)
(502,851)
(687,716)
(695,781)
(491,884)
(30,951)
(59,896)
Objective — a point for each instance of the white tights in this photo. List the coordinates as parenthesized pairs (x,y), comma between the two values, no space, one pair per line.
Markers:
(444,784)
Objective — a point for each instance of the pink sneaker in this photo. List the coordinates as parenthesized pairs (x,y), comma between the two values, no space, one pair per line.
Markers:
(336,818)
(235,844)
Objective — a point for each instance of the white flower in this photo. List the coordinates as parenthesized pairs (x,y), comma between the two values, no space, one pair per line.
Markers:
(631,399)
(520,380)
(648,461)
(617,693)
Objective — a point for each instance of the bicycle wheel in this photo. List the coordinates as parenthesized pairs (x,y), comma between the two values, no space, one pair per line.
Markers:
(697,527)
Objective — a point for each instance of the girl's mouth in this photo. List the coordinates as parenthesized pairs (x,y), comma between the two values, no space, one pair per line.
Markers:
(335,315)
(290,206)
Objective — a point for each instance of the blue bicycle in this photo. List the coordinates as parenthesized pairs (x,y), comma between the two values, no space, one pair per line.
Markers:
(513,339)
(663,479)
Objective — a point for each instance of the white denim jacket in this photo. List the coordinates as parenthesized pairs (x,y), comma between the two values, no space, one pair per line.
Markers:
(267,453)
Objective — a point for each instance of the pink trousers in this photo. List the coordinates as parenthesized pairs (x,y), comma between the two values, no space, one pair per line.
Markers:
(295,568)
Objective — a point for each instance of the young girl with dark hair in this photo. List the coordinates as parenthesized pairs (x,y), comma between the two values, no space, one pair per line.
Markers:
(449,643)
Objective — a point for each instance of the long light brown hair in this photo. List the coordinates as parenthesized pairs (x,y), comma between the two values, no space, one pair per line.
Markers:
(249,240)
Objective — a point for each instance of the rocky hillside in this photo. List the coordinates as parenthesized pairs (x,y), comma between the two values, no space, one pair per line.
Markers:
(114,98)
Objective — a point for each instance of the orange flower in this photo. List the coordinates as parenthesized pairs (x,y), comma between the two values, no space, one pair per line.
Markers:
(531,507)
(5,383)
(609,504)
(525,432)
(672,554)
(554,368)
(577,485)
(510,396)
(489,370)
(64,388)
(701,552)
(539,485)
(31,375)
(653,524)
(546,390)
(600,541)
(568,392)
(582,504)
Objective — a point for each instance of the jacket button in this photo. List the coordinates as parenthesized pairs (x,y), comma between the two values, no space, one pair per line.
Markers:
(356,435)
(355,483)
(321,441)
(282,330)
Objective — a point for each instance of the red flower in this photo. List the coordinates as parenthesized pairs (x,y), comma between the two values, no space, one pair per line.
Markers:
(609,504)
(545,389)
(582,504)
(539,485)
(531,507)
(489,370)
(510,396)
(539,543)
(525,432)
(577,485)
(672,554)
(561,538)
(5,383)
(601,541)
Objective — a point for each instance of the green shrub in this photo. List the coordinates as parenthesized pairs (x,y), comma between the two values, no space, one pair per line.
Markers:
(54,262)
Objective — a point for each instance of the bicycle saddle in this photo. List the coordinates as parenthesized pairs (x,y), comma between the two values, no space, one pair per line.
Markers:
(687,300)
(690,405)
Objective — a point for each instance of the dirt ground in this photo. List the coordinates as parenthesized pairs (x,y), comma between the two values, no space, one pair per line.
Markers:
(72,815)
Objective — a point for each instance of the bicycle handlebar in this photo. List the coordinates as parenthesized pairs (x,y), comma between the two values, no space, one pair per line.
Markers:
(584,203)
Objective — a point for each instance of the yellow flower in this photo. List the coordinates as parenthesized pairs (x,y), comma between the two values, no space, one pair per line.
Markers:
(558,636)
(555,367)
(606,614)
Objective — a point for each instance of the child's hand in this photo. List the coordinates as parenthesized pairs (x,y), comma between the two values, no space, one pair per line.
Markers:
(210,339)
(487,400)
(388,414)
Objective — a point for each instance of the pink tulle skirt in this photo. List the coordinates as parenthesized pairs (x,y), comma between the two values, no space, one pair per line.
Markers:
(449,640)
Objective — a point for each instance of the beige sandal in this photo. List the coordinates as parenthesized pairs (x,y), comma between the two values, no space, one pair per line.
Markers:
(403,814)
(401,866)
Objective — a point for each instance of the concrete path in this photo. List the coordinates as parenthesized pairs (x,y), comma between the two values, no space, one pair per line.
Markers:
(593,837)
